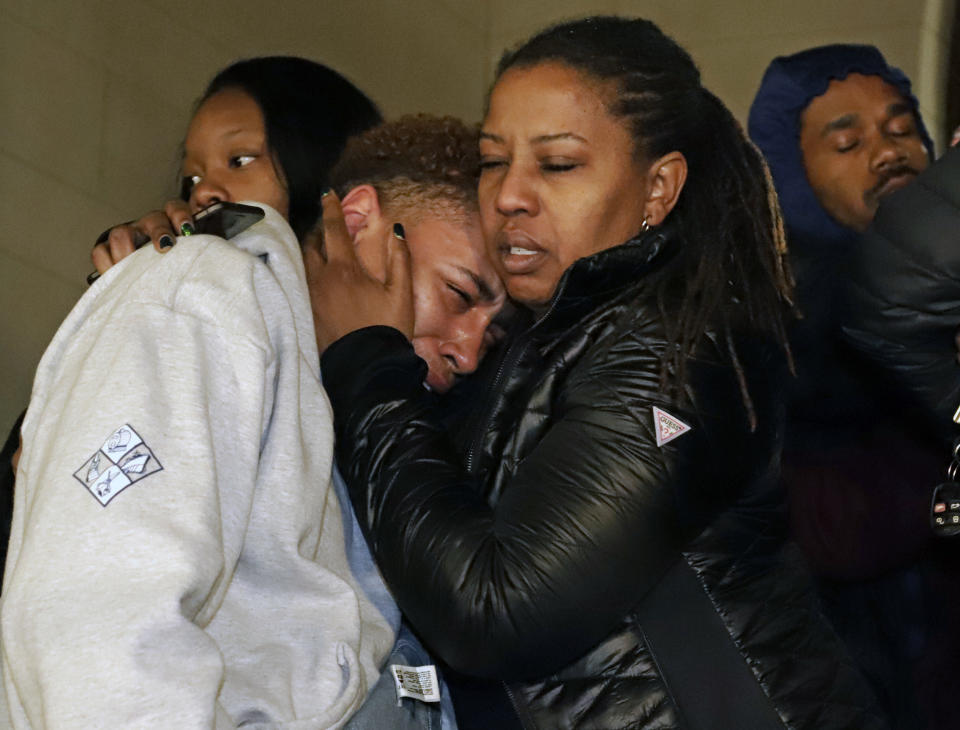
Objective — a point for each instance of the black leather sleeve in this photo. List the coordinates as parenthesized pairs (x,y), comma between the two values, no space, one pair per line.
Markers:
(585,527)
(904,303)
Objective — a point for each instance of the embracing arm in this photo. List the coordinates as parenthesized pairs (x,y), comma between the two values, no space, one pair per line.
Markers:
(585,527)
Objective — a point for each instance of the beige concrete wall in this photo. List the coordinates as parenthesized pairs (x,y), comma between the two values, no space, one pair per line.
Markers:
(933,57)
(95,95)
(733,40)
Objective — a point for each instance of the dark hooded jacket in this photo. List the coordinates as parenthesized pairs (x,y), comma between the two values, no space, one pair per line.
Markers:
(850,435)
(831,384)
(595,573)
(904,301)
(857,463)
(905,310)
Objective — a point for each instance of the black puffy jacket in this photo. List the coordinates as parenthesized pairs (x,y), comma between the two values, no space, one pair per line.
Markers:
(904,304)
(610,582)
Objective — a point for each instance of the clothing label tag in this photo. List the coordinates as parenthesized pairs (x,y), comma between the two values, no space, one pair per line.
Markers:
(668,427)
(420,683)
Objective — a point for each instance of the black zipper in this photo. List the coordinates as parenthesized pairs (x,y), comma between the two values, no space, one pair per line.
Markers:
(516,349)
(522,717)
(513,355)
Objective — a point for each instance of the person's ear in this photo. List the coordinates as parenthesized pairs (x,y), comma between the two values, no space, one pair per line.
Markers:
(361,208)
(665,179)
(368,228)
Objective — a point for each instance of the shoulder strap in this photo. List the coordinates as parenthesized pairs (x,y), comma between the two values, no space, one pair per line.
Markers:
(704,670)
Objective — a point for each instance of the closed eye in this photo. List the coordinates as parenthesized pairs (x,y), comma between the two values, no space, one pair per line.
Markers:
(467,299)
(558,166)
(903,132)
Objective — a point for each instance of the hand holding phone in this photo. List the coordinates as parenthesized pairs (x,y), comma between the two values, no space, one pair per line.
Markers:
(223,219)
(226,219)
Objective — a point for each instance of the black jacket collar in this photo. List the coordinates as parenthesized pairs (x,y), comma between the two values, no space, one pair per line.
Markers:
(595,279)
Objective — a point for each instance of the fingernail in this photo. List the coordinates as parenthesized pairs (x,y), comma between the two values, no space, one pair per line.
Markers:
(166,241)
(186,229)
(398,231)
(325,193)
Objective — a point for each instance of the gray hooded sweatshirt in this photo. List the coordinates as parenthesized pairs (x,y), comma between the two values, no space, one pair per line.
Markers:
(177,554)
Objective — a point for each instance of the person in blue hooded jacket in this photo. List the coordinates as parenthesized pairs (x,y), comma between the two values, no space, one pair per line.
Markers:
(840,130)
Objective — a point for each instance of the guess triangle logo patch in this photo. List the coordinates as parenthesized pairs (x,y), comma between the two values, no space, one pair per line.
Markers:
(667,427)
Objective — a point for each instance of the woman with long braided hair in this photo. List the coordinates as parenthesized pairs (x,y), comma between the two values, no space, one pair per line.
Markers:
(605,546)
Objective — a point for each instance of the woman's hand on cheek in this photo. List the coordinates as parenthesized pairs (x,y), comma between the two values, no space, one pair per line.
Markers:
(344,296)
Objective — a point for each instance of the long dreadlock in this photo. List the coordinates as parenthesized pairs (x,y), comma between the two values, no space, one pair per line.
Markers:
(731,271)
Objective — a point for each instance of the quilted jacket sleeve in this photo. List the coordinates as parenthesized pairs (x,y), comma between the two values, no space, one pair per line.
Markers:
(904,303)
(584,528)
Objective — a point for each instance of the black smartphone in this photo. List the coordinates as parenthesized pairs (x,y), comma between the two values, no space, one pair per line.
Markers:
(220,219)
(226,219)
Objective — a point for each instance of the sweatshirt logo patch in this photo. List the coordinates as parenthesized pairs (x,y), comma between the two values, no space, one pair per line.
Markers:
(122,460)
(668,427)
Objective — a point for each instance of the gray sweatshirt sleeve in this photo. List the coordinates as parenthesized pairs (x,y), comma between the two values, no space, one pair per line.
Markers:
(133,499)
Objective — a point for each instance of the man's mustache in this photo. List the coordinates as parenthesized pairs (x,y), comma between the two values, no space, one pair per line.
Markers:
(872,195)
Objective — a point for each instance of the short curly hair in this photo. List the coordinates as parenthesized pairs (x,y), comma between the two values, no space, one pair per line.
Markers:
(421,164)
